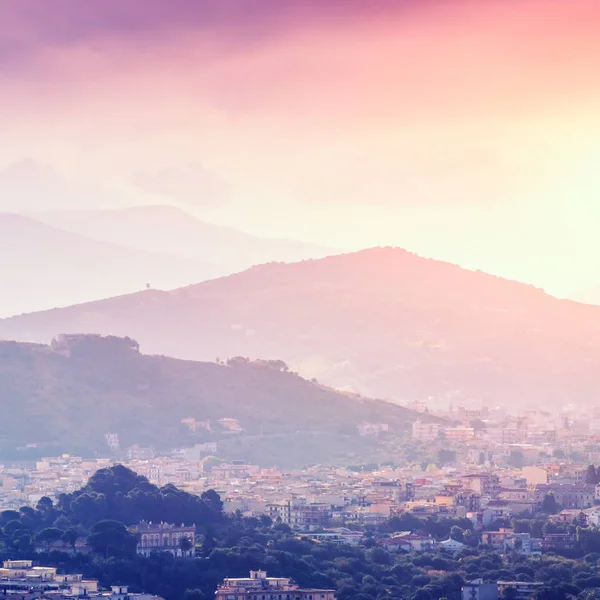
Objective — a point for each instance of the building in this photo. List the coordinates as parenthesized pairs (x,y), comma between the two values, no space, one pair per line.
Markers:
(506,539)
(535,475)
(301,515)
(230,425)
(20,580)
(504,435)
(260,587)
(485,484)
(525,544)
(497,539)
(165,537)
(459,434)
(425,431)
(524,590)
(236,470)
(477,590)
(367,428)
(338,536)
(558,541)
(567,495)
(451,545)
(408,542)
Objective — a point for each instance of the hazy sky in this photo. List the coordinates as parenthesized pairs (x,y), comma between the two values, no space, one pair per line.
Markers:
(464,130)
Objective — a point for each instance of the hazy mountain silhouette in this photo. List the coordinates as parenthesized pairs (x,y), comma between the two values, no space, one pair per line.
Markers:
(105,384)
(382,321)
(158,228)
(43,267)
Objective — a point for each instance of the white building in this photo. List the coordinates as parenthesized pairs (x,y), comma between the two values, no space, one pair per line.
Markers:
(478,590)
(425,431)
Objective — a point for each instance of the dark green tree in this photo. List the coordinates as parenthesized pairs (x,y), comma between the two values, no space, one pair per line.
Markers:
(49,536)
(69,537)
(591,475)
(549,505)
(213,500)
(111,538)
(185,544)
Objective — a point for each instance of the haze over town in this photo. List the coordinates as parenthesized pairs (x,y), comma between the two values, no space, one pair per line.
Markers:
(465,131)
(299,300)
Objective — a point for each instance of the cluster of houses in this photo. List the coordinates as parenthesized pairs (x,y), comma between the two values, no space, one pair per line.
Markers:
(21,580)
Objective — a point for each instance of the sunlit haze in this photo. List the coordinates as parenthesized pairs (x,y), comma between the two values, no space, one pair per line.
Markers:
(299,299)
(463,130)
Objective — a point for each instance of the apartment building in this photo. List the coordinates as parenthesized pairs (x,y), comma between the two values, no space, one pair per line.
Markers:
(301,515)
(425,431)
(567,495)
(523,590)
(260,587)
(478,590)
(485,484)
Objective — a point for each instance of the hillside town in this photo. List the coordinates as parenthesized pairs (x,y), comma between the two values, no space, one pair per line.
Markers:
(491,468)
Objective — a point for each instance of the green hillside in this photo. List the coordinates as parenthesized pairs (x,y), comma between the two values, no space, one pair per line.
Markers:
(67,396)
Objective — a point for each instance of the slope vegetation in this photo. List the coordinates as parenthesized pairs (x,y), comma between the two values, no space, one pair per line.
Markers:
(67,396)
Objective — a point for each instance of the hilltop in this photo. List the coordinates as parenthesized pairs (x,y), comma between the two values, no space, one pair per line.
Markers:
(383,321)
(65,397)
(60,258)
(44,267)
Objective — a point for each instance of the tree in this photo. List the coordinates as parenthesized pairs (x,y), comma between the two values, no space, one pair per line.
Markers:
(516,459)
(213,500)
(69,537)
(549,505)
(185,544)
(209,542)
(445,457)
(509,593)
(9,515)
(22,542)
(111,538)
(592,475)
(49,536)
(457,534)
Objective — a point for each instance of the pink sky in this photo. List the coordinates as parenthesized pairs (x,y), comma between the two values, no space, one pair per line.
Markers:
(464,130)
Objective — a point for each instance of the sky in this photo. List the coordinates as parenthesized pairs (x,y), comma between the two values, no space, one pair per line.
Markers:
(465,130)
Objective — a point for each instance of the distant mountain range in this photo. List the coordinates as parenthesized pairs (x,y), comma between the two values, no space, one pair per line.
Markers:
(170,229)
(383,321)
(66,257)
(66,397)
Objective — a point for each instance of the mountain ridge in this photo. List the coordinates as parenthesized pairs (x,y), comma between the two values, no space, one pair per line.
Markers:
(47,266)
(161,226)
(384,322)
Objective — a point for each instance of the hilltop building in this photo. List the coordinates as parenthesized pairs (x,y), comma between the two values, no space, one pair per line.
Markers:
(165,537)
(258,587)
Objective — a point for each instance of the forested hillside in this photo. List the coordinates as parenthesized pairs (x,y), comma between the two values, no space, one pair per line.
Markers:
(67,396)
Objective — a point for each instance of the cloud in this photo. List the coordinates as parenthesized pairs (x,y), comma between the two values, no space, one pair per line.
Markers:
(192,184)
(30,185)
(30,25)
